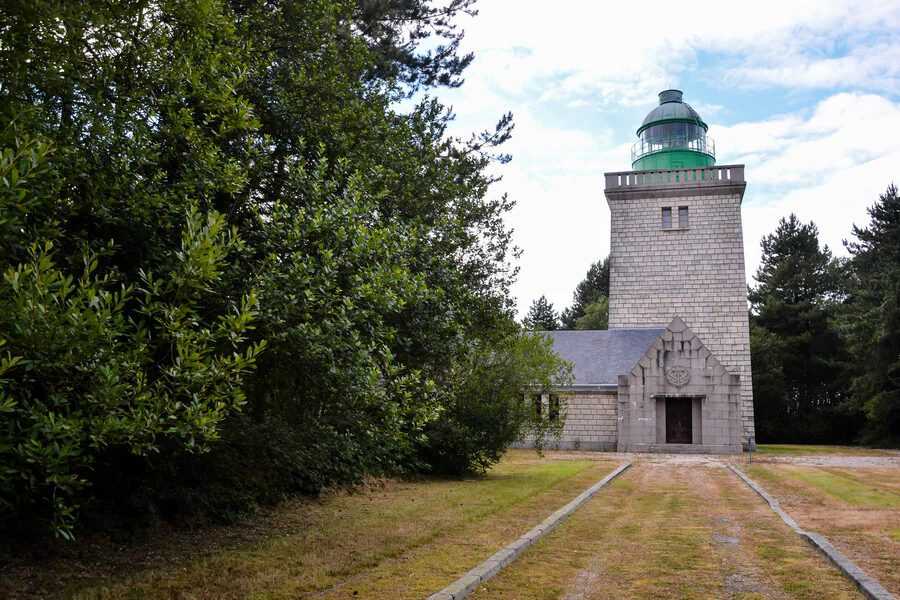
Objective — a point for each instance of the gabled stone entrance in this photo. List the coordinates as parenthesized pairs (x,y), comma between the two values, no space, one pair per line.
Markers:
(679,397)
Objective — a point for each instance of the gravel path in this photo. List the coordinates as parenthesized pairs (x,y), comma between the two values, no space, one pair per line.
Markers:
(836,461)
(672,526)
(891,459)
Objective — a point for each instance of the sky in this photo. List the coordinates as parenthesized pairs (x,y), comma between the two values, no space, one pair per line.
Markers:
(806,94)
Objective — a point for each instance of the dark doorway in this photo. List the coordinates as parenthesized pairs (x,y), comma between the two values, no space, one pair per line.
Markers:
(679,421)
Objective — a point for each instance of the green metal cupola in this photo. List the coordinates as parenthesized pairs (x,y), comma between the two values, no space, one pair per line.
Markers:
(672,136)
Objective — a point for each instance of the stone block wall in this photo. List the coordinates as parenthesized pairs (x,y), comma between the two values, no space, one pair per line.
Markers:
(713,390)
(695,273)
(591,422)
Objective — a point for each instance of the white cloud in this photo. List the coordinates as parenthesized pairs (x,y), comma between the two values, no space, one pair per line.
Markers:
(827,167)
(874,68)
(580,76)
(620,54)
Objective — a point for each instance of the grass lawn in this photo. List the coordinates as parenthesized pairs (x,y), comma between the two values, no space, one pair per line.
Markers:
(667,528)
(857,509)
(668,531)
(802,450)
(404,539)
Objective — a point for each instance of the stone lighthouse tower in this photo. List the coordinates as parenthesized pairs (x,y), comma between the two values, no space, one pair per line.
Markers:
(676,241)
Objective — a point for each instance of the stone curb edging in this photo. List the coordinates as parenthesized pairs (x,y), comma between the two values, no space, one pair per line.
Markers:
(467,583)
(869,588)
(772,501)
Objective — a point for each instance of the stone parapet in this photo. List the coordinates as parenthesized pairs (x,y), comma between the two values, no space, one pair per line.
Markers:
(725,179)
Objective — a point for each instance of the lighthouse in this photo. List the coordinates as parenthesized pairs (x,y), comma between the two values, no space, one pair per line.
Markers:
(672,136)
(672,372)
(676,243)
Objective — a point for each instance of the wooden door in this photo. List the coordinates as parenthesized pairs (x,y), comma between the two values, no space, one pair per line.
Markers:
(679,421)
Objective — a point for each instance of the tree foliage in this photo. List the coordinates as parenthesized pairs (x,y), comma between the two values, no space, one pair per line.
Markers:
(799,380)
(80,376)
(873,320)
(596,315)
(394,29)
(541,316)
(183,185)
(594,286)
(488,411)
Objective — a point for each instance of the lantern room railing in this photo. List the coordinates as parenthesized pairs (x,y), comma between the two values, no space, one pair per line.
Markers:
(647,146)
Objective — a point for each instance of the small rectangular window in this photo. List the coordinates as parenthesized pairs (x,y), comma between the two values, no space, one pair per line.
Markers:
(667,218)
(553,412)
(682,216)
(538,405)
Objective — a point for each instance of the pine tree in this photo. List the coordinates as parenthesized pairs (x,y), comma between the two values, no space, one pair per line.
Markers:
(594,286)
(874,326)
(541,316)
(792,315)
(596,316)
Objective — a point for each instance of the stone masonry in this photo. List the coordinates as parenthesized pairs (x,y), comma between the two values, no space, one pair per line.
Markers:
(591,421)
(694,272)
(678,366)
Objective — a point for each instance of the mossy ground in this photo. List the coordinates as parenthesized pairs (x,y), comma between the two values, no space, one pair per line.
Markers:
(410,537)
(857,509)
(664,529)
(804,450)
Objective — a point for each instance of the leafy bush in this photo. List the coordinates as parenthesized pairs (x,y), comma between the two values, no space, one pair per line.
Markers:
(486,410)
(381,266)
(80,374)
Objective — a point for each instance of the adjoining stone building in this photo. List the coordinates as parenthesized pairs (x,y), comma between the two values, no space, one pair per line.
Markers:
(673,370)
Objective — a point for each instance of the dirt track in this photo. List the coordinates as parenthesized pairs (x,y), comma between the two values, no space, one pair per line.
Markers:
(674,526)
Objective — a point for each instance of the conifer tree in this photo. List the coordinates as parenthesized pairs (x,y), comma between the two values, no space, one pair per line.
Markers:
(541,316)
(792,315)
(874,326)
(594,286)
(596,316)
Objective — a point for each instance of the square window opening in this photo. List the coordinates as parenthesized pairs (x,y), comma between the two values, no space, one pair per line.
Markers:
(667,218)
(553,412)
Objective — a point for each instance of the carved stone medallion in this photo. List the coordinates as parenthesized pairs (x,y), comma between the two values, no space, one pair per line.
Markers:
(678,376)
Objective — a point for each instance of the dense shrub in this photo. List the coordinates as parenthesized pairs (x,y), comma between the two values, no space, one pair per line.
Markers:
(487,410)
(80,375)
(185,183)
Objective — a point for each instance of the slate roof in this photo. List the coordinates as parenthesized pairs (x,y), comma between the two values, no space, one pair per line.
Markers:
(600,356)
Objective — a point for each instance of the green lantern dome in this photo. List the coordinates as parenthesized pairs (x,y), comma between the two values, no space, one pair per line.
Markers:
(672,136)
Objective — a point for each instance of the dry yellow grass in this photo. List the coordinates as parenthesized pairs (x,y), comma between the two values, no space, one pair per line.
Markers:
(406,539)
(809,450)
(857,509)
(663,531)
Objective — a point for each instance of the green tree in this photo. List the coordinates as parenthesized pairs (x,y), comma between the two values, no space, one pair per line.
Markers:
(117,121)
(794,336)
(384,215)
(380,262)
(596,316)
(78,376)
(488,411)
(874,320)
(394,30)
(594,286)
(541,316)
